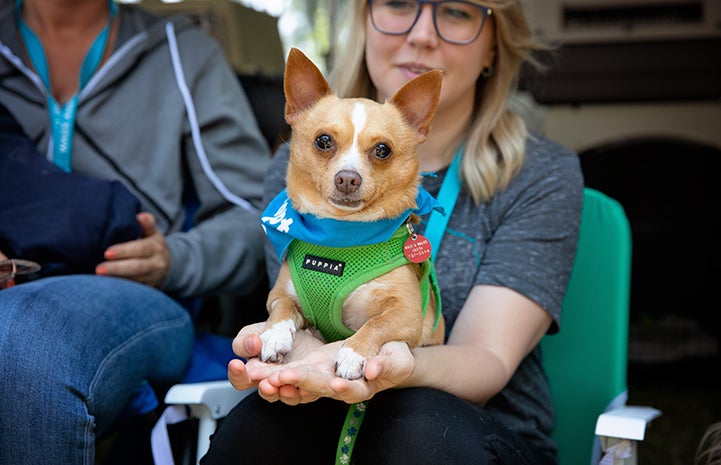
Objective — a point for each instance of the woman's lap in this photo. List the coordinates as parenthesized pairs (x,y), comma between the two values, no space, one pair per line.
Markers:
(418,426)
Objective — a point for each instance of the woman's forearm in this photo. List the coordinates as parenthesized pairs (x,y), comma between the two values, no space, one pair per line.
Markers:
(464,371)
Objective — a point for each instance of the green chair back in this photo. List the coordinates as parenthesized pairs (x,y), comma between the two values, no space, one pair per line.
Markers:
(586,361)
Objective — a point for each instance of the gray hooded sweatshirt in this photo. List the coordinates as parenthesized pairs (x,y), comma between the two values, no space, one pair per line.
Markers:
(135,125)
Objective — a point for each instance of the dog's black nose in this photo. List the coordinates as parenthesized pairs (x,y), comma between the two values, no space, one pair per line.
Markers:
(347,181)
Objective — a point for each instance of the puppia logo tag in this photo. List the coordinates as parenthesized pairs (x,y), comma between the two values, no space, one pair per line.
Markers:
(324,265)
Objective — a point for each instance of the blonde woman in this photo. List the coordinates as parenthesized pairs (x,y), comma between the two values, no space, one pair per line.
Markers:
(503,266)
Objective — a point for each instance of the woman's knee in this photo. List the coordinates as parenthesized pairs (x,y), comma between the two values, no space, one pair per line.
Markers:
(426,426)
(68,328)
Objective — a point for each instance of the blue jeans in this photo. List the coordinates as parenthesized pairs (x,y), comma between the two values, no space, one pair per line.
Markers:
(72,351)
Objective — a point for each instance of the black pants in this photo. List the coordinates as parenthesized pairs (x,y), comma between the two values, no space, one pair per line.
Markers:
(401,426)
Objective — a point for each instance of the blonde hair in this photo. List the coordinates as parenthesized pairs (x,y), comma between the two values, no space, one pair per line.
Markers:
(495,141)
(709,448)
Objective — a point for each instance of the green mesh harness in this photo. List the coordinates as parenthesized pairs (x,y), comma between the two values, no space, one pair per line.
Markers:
(324,276)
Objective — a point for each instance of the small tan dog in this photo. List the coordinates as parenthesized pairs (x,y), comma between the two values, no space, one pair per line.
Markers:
(353,190)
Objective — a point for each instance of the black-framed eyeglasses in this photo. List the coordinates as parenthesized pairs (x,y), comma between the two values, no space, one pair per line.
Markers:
(456,22)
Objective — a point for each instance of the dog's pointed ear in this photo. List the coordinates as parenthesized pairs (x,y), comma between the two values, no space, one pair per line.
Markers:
(418,100)
(303,84)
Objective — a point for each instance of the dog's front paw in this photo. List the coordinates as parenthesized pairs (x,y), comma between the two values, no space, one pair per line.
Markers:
(349,364)
(277,341)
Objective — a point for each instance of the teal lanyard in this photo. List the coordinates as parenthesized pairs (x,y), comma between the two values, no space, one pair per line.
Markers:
(447,197)
(62,116)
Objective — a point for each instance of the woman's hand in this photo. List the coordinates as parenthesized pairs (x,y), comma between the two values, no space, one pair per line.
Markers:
(390,368)
(308,370)
(146,260)
(254,373)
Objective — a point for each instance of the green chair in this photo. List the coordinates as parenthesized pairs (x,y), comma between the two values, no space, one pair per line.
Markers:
(586,361)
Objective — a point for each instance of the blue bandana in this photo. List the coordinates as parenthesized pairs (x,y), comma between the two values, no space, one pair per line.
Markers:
(282,223)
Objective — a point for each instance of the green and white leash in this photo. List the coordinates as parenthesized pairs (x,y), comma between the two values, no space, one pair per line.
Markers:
(353,420)
(434,233)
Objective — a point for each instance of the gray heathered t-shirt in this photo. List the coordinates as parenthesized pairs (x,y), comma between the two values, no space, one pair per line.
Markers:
(524,239)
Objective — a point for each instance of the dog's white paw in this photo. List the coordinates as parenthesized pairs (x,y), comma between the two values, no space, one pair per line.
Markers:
(349,364)
(277,341)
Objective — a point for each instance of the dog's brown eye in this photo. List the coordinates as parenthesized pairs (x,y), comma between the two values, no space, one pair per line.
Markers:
(382,151)
(324,142)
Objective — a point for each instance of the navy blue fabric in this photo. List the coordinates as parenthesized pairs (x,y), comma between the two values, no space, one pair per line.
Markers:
(64,221)
(210,358)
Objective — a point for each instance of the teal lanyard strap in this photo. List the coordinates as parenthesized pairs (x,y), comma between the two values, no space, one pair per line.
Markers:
(62,116)
(447,197)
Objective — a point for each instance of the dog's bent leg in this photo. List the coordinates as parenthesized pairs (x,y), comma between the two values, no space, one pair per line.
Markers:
(285,318)
(392,306)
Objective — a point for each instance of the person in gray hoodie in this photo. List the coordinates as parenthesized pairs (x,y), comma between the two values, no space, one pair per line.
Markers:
(112,92)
